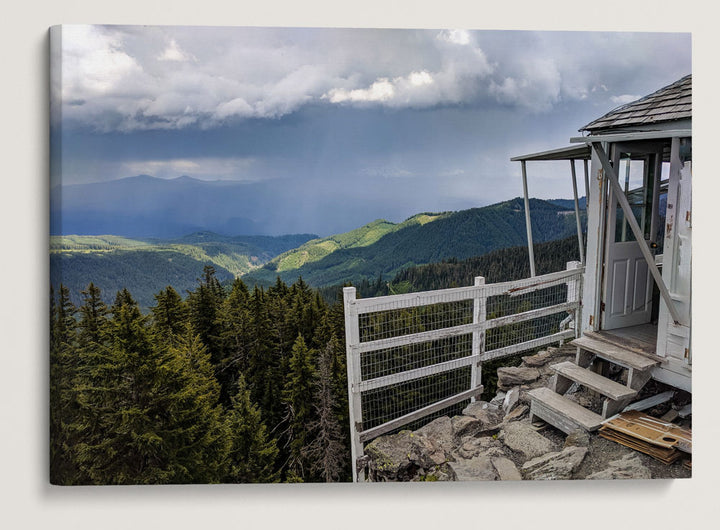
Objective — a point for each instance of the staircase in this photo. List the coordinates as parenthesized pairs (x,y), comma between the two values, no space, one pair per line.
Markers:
(551,405)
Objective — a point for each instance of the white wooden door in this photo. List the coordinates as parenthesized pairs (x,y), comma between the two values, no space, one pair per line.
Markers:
(628,284)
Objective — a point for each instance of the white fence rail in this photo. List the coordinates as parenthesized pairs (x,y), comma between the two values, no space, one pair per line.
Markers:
(413,355)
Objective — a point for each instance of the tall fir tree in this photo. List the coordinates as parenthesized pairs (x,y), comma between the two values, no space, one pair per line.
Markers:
(253,453)
(298,396)
(236,339)
(205,305)
(170,316)
(64,363)
(326,453)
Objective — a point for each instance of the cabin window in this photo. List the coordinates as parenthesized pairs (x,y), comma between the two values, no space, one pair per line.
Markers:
(634,175)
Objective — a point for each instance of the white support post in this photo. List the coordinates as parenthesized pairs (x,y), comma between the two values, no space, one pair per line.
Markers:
(574,288)
(528,223)
(352,340)
(577,213)
(587,183)
(478,337)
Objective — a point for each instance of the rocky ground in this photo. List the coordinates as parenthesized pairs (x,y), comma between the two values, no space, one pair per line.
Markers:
(495,440)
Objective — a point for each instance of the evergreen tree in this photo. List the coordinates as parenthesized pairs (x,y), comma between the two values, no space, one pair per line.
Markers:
(189,422)
(205,303)
(298,396)
(253,453)
(236,339)
(327,452)
(149,413)
(63,369)
(170,315)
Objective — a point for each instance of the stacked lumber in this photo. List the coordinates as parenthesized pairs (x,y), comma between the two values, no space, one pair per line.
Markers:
(662,440)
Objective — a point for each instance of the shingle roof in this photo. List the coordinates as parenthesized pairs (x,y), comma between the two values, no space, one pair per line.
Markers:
(673,102)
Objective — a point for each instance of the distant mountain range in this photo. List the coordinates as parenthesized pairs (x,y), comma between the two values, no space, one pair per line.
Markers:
(149,219)
(146,266)
(383,249)
(145,206)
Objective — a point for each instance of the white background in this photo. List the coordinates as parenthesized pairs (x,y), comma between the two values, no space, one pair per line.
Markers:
(28,501)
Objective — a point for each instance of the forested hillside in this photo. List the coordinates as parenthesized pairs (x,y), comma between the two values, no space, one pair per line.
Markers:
(226,386)
(457,235)
(145,266)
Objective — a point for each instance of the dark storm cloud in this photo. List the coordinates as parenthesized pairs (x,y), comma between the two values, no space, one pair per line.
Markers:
(345,125)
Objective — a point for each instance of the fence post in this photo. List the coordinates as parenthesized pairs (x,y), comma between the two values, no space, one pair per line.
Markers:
(352,340)
(573,294)
(478,336)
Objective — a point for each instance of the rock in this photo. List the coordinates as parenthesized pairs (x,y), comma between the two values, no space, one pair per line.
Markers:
(554,466)
(511,399)
(505,468)
(628,467)
(522,438)
(488,417)
(478,468)
(439,431)
(511,376)
(539,359)
(497,401)
(441,473)
(389,457)
(426,452)
(466,426)
(578,438)
(485,445)
(517,413)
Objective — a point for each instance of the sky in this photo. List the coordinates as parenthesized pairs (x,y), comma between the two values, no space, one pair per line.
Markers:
(348,125)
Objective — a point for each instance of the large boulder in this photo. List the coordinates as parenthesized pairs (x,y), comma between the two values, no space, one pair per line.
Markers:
(488,416)
(505,468)
(511,376)
(559,465)
(440,431)
(477,468)
(523,439)
(470,447)
(389,457)
(628,467)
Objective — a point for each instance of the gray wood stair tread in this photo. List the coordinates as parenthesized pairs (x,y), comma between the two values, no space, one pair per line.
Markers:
(594,381)
(585,418)
(615,353)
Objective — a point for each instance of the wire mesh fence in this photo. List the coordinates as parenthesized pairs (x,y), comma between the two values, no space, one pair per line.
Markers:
(417,356)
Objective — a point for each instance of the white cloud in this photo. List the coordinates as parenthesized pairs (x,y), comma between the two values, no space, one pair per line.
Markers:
(135,77)
(93,62)
(455,36)
(624,98)
(173,53)
(203,168)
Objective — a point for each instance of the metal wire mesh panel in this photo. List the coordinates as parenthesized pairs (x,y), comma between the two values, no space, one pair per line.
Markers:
(390,402)
(504,336)
(398,359)
(398,322)
(511,303)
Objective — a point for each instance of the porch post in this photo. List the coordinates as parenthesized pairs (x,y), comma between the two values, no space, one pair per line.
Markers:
(528,224)
(577,212)
(612,177)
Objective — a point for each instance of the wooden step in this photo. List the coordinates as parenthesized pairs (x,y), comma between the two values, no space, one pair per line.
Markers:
(559,411)
(614,353)
(594,381)
(629,343)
